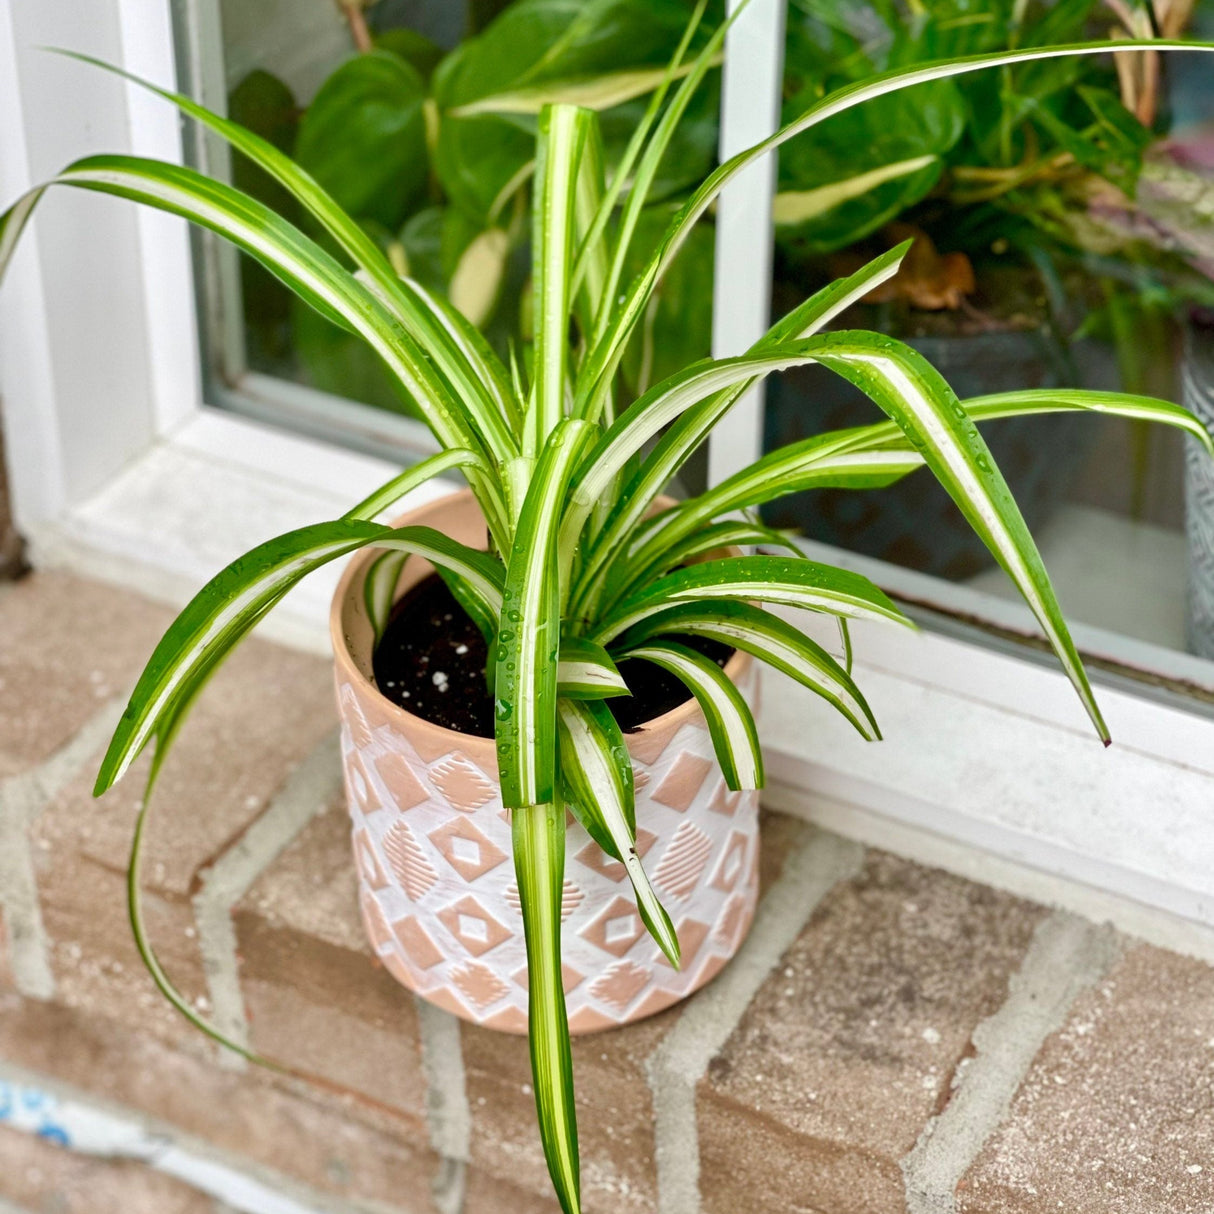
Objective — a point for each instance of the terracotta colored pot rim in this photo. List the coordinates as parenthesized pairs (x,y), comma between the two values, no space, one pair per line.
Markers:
(431,514)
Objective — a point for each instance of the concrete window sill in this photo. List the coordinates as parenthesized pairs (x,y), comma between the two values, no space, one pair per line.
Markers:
(892,1038)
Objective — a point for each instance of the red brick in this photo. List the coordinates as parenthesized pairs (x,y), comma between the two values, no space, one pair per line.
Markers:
(849,1047)
(69,646)
(615,1107)
(261,715)
(41,1176)
(330,1141)
(314,992)
(1116,1115)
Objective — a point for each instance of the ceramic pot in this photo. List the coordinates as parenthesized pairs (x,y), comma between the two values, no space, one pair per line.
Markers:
(432,845)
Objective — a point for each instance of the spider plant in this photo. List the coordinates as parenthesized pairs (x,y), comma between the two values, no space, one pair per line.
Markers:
(581,571)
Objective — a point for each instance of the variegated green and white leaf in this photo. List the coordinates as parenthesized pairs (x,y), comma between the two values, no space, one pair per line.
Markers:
(562,134)
(693,426)
(594,93)
(791,207)
(735,737)
(529,640)
(474,380)
(771,640)
(391,492)
(790,581)
(538,835)
(598,775)
(603,361)
(917,399)
(224,611)
(585,671)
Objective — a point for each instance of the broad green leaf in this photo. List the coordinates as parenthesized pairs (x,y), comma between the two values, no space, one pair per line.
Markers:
(735,738)
(539,866)
(790,581)
(529,640)
(594,93)
(585,671)
(597,771)
(771,640)
(477,281)
(363,138)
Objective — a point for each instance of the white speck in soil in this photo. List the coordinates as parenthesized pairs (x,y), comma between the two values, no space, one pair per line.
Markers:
(439,678)
(461,649)
(404,695)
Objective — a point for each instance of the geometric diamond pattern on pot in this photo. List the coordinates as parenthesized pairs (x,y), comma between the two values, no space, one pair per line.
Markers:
(571,899)
(416,942)
(374,920)
(364,794)
(462,783)
(466,849)
(360,732)
(368,862)
(473,926)
(407,790)
(732,863)
(616,929)
(478,984)
(685,859)
(621,984)
(595,858)
(414,872)
(732,919)
(681,783)
(723,801)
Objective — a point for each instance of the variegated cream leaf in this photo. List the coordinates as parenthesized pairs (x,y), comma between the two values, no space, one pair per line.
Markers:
(593,93)
(585,671)
(771,640)
(792,207)
(790,581)
(735,738)
(598,775)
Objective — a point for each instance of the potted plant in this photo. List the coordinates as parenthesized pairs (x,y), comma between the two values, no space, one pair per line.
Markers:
(1009,283)
(584,566)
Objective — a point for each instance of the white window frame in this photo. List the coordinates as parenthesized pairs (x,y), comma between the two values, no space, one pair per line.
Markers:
(119,468)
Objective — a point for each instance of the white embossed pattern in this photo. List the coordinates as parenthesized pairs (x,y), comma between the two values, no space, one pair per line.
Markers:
(438,891)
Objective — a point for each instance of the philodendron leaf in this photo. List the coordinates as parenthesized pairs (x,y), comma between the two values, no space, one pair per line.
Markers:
(597,771)
(771,640)
(735,737)
(363,137)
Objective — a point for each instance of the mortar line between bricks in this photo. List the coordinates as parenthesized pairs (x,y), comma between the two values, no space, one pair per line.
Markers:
(22,799)
(107,1130)
(308,790)
(681,1060)
(448,1117)
(1067,956)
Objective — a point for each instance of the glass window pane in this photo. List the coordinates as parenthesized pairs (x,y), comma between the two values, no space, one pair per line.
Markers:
(1056,213)
(419,116)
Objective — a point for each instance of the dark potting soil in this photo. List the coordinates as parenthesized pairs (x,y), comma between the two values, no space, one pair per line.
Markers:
(431,661)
